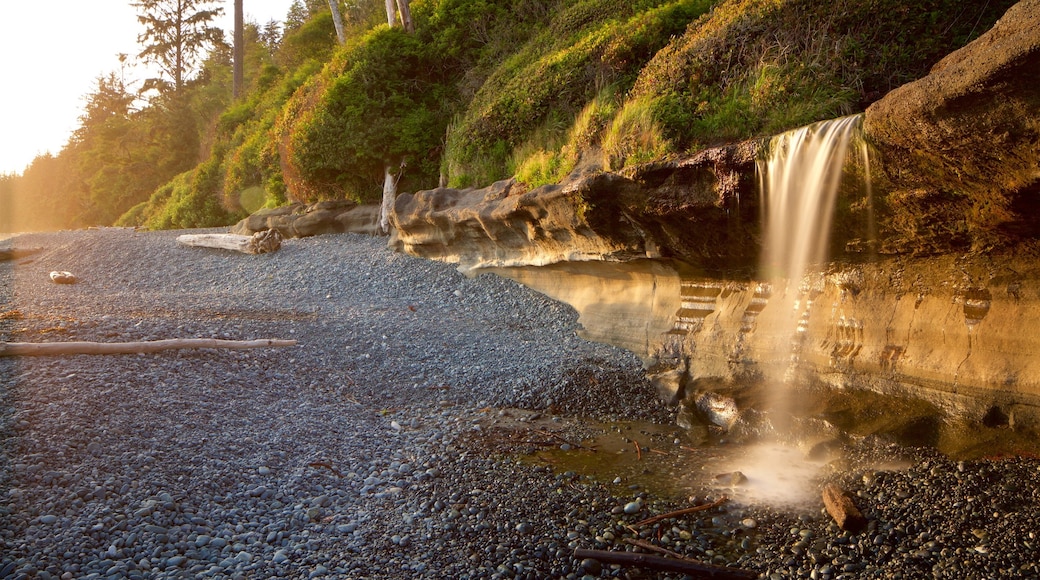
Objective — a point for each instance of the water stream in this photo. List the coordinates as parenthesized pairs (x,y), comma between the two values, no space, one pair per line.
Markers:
(799,180)
(800,177)
(733,351)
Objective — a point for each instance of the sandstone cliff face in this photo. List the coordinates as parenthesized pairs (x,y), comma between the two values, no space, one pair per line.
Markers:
(953,332)
(937,301)
(959,150)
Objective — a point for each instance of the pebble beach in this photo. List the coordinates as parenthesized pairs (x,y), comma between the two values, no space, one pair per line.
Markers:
(372,448)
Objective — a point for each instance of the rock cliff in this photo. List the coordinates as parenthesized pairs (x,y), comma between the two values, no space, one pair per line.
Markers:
(959,150)
(933,290)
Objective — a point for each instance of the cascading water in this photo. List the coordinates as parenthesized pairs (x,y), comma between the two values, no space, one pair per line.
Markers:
(799,179)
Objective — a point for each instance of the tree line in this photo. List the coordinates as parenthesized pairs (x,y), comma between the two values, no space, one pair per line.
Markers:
(136,135)
(354,99)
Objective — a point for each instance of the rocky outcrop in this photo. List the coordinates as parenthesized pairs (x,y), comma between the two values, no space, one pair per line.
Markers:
(504,225)
(301,220)
(700,208)
(959,150)
(947,337)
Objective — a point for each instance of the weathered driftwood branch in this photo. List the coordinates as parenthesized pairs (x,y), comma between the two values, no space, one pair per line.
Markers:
(17,253)
(65,348)
(689,567)
(682,512)
(840,506)
(259,243)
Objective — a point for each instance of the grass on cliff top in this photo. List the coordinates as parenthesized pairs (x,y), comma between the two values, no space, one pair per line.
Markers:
(752,68)
(523,115)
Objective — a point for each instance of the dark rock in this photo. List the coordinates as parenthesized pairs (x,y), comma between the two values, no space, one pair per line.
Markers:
(732,479)
(719,409)
(327,217)
(505,225)
(959,154)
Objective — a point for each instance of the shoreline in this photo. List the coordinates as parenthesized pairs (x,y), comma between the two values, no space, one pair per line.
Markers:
(378,448)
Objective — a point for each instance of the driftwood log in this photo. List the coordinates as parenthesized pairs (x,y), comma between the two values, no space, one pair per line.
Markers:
(845,513)
(691,568)
(17,253)
(67,348)
(263,242)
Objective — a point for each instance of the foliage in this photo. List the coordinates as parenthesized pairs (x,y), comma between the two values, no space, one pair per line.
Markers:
(589,45)
(551,153)
(177,33)
(758,67)
(634,136)
(376,105)
(484,90)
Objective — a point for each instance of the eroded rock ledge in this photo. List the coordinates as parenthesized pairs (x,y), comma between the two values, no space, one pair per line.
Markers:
(955,167)
(301,220)
(700,208)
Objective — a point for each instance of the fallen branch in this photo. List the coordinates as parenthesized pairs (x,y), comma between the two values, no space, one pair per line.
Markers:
(259,243)
(639,452)
(682,566)
(79,347)
(17,253)
(652,548)
(683,512)
(561,439)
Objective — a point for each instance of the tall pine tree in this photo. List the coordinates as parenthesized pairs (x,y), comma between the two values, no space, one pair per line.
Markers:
(177,34)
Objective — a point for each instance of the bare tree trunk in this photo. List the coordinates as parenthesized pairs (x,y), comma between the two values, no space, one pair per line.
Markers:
(390,13)
(389,195)
(406,15)
(262,242)
(239,75)
(337,20)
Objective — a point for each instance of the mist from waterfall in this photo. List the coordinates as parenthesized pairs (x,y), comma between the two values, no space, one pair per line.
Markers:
(800,176)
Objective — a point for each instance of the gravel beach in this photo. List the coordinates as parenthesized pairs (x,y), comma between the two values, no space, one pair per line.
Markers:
(395,440)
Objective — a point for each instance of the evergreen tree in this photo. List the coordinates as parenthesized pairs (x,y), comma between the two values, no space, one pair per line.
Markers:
(177,33)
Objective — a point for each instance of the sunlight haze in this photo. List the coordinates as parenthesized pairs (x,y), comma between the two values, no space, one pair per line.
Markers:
(52,54)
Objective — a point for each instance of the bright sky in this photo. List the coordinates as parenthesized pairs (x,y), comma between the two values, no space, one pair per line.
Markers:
(51,54)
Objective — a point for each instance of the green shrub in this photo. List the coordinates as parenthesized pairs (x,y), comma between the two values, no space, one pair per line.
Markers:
(589,45)
(378,104)
(759,67)
(634,136)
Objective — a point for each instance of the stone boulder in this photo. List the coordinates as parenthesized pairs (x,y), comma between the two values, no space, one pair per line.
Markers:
(700,208)
(301,220)
(506,225)
(959,150)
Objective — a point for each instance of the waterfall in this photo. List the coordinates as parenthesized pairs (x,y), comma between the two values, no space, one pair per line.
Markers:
(799,185)
(800,177)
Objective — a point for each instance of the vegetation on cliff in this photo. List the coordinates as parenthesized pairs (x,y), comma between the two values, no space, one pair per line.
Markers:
(482,90)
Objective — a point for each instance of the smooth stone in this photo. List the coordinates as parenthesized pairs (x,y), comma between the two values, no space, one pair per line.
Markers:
(48,519)
(633,507)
